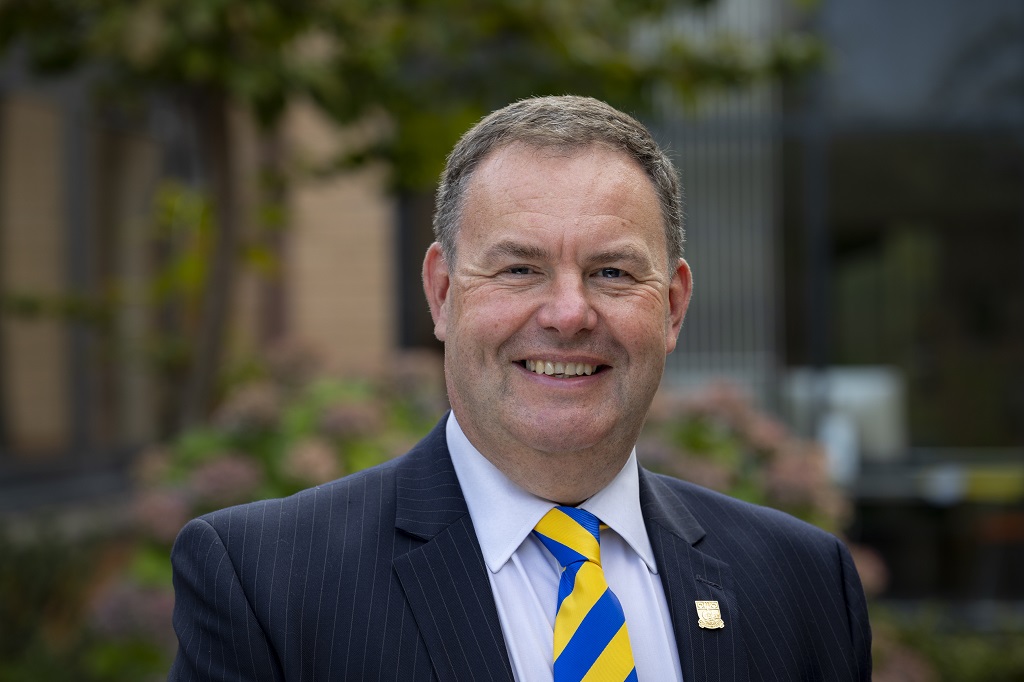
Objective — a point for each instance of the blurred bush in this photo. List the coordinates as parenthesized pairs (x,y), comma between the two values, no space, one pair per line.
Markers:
(45,576)
(718,439)
(97,605)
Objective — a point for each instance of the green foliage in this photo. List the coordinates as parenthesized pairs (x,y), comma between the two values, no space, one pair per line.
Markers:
(45,573)
(149,567)
(246,49)
(122,661)
(935,646)
(436,67)
(182,220)
(430,68)
(96,312)
(40,577)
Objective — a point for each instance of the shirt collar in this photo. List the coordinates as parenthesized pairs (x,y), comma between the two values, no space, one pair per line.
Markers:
(503,514)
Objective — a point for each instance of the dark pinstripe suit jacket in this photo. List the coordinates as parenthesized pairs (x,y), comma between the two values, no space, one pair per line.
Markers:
(379,576)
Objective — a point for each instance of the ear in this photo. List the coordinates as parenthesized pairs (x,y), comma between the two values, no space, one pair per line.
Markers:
(679,290)
(436,281)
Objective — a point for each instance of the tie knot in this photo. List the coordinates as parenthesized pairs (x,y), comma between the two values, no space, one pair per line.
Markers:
(572,535)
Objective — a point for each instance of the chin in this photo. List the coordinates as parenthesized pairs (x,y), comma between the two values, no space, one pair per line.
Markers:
(562,441)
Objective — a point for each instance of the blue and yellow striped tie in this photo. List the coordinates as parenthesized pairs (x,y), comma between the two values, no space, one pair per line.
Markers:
(591,641)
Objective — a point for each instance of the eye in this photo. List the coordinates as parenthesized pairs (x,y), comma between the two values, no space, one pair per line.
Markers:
(610,273)
(519,270)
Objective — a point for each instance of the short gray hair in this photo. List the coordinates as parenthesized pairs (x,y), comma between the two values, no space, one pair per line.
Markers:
(569,123)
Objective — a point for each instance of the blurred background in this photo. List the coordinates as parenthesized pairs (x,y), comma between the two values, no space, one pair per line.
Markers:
(212,219)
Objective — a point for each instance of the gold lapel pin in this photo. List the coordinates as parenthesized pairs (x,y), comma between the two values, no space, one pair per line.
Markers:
(709,616)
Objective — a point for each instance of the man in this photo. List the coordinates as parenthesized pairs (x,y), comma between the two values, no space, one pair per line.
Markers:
(520,539)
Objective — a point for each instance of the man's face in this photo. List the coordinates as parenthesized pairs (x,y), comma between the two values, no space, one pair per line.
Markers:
(561,306)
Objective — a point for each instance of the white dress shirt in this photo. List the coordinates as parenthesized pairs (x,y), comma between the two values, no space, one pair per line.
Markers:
(524,575)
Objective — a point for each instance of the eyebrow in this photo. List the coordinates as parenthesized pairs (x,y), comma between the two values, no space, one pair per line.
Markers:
(626,254)
(512,249)
(508,248)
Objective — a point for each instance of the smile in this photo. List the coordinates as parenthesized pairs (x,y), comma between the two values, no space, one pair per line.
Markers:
(560,369)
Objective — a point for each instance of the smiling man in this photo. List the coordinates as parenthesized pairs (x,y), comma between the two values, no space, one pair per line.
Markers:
(557,301)
(520,539)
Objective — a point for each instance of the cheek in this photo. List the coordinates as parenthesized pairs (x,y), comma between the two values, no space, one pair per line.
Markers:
(638,322)
(492,316)
(646,344)
(481,334)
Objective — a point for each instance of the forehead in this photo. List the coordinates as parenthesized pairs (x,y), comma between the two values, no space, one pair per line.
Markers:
(569,183)
(524,156)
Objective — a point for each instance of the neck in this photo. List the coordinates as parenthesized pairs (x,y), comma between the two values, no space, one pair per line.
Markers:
(564,478)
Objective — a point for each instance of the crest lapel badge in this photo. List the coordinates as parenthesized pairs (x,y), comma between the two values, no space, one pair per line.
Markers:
(710,618)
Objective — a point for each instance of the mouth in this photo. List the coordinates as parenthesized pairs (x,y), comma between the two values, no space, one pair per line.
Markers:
(562,370)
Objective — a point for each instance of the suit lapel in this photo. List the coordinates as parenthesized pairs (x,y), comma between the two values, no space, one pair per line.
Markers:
(688,575)
(445,579)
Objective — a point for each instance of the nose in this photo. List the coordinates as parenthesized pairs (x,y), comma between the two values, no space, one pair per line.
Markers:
(567,307)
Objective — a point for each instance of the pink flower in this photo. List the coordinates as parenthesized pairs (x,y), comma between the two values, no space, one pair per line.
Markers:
(793,477)
(252,407)
(294,363)
(312,461)
(728,401)
(871,567)
(705,472)
(129,611)
(416,369)
(896,663)
(352,420)
(152,465)
(694,468)
(226,480)
(416,378)
(161,513)
(764,433)
(657,455)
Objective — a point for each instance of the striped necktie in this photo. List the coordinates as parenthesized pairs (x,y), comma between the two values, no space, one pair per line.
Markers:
(591,641)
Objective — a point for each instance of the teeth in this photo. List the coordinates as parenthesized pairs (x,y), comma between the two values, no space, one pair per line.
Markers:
(564,369)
